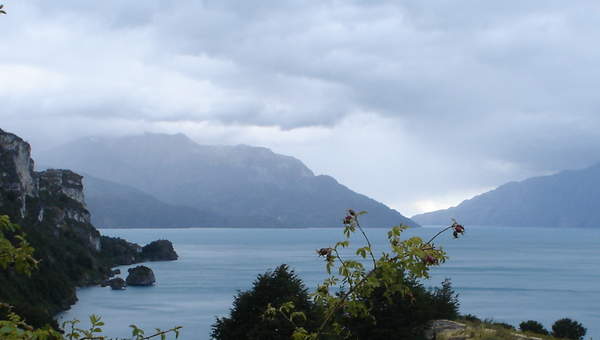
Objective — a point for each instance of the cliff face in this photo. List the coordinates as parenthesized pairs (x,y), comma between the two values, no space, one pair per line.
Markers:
(51,210)
(51,197)
(17,179)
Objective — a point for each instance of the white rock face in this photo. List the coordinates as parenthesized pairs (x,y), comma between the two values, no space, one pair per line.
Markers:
(65,181)
(77,215)
(95,242)
(20,151)
(41,215)
(18,176)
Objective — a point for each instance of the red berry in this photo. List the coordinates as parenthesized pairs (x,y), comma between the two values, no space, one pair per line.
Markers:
(430,260)
(324,251)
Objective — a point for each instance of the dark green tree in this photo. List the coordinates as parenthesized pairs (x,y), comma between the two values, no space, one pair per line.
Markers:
(445,301)
(278,287)
(533,326)
(568,329)
(403,316)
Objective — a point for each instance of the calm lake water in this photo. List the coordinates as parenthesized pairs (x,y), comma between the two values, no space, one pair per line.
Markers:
(507,274)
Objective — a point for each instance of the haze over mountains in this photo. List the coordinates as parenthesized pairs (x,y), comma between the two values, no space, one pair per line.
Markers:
(114,204)
(567,199)
(169,180)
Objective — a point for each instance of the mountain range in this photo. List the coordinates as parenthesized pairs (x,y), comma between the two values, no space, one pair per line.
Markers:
(567,199)
(169,180)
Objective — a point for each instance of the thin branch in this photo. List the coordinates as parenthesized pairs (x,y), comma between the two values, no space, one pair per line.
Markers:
(337,254)
(288,319)
(438,234)
(341,302)
(347,294)
(368,242)
(163,332)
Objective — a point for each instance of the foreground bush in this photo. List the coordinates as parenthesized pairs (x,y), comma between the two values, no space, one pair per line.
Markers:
(369,298)
(277,287)
(568,329)
(403,316)
(533,326)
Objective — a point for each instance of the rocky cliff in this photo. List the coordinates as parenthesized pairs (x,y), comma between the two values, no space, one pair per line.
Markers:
(50,207)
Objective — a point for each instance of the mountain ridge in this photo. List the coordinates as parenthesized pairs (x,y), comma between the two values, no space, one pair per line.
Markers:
(244,186)
(564,199)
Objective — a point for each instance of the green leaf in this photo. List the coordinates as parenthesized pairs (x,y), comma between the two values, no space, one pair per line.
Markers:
(343,244)
(300,315)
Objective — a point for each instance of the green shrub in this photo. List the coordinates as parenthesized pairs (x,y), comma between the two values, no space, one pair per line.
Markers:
(277,287)
(471,318)
(373,298)
(569,329)
(501,325)
(403,316)
(533,326)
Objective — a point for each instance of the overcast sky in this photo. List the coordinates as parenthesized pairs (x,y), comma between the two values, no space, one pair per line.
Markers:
(419,104)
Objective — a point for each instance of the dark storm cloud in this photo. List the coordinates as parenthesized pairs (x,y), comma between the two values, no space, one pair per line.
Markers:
(506,88)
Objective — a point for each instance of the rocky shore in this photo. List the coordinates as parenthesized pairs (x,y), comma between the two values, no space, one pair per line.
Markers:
(51,210)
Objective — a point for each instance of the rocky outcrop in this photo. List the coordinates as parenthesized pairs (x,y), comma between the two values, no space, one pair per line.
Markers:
(117,284)
(62,181)
(122,252)
(17,180)
(161,250)
(140,276)
(114,283)
(125,253)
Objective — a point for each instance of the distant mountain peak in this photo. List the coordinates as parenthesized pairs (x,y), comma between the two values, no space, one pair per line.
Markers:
(565,199)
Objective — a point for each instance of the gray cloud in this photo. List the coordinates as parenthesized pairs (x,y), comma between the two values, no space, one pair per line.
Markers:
(477,92)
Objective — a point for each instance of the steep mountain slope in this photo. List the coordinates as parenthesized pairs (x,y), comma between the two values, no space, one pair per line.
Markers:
(118,205)
(567,199)
(245,186)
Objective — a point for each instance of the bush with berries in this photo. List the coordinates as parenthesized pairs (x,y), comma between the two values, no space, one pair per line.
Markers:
(380,296)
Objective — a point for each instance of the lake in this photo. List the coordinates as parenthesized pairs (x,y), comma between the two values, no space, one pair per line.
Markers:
(508,274)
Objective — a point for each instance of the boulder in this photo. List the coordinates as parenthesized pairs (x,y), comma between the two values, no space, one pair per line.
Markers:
(140,276)
(117,284)
(115,272)
(161,250)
